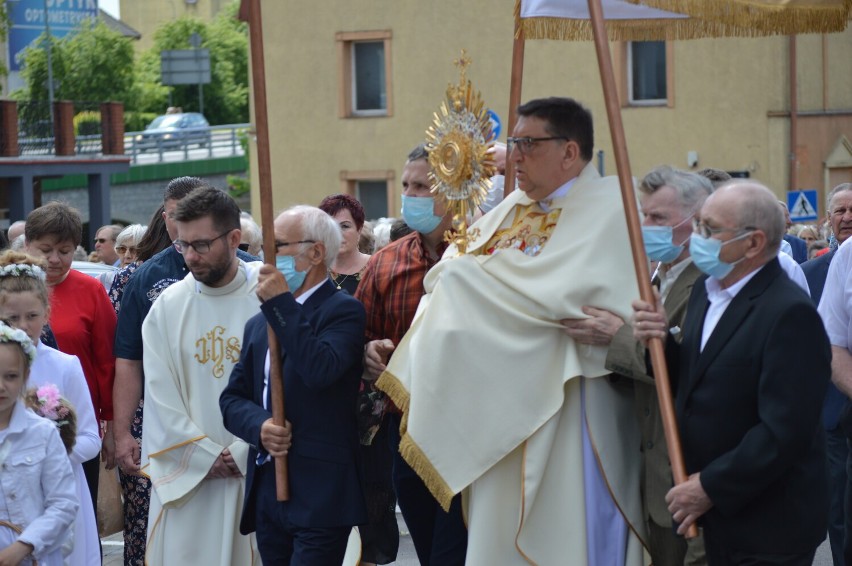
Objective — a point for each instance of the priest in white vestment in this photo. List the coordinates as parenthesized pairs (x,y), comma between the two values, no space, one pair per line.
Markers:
(191,342)
(498,402)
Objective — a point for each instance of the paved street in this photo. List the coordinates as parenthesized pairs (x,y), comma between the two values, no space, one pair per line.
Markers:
(113,550)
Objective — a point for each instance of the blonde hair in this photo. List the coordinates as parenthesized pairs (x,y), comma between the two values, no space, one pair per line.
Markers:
(24,279)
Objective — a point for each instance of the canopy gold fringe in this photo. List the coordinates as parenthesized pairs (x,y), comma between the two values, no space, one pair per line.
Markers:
(765,17)
(708,19)
(408,449)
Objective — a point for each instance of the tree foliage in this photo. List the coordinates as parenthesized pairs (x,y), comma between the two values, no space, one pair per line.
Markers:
(96,64)
(226,96)
(92,65)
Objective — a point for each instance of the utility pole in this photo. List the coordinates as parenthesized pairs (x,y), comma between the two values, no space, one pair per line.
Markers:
(50,93)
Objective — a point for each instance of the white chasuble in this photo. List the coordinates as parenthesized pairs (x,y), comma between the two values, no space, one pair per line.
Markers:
(501,405)
(192,338)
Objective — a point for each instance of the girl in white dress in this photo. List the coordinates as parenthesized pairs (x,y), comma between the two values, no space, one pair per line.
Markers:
(38,502)
(24,304)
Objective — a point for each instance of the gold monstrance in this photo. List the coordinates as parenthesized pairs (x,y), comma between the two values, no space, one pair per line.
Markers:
(458,142)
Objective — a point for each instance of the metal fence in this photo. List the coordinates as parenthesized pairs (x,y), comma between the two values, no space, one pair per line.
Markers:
(187,144)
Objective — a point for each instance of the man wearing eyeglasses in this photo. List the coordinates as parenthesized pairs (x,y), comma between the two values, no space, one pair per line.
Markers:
(192,338)
(499,402)
(321,338)
(750,376)
(105,244)
(145,286)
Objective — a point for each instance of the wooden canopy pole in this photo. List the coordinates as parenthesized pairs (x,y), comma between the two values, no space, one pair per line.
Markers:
(634,231)
(264,171)
(514,99)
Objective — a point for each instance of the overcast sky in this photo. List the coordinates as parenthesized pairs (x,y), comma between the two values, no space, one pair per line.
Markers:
(110,6)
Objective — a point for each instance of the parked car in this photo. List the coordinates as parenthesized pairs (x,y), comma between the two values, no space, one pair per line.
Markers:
(92,269)
(174,131)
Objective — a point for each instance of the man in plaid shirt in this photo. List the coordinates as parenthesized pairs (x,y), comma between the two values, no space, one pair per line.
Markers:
(390,289)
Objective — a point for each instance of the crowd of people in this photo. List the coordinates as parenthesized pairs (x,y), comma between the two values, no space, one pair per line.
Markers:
(503,399)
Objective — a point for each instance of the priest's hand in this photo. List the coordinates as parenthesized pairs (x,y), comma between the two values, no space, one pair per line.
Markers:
(687,502)
(597,330)
(276,439)
(649,321)
(270,283)
(224,467)
(376,356)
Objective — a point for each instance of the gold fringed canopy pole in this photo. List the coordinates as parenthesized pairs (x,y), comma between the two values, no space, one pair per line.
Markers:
(515,87)
(634,231)
(250,11)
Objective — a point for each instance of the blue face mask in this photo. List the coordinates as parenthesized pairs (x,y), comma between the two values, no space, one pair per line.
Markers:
(286,264)
(705,254)
(659,245)
(658,242)
(418,213)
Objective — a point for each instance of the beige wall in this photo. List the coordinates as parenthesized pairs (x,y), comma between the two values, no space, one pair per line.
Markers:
(723,92)
(146,16)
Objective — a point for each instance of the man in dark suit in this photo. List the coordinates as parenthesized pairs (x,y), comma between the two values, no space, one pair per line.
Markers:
(669,199)
(836,403)
(750,378)
(321,333)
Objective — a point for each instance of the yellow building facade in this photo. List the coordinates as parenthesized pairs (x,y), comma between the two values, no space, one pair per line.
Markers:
(726,103)
(149,15)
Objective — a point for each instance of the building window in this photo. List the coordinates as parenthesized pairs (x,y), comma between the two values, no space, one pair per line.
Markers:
(644,73)
(373,189)
(647,77)
(364,73)
(373,196)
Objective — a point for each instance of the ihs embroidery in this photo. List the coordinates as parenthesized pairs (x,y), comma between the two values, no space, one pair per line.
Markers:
(213,347)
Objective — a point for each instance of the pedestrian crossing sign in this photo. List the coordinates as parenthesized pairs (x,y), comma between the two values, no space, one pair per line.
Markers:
(802,205)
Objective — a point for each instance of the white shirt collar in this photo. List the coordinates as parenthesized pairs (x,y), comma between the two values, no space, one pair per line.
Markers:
(307,294)
(558,193)
(715,290)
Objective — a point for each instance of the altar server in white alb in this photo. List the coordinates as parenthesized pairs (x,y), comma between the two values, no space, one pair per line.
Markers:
(191,342)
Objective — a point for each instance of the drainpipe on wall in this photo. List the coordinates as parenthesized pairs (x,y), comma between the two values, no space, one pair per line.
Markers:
(794,122)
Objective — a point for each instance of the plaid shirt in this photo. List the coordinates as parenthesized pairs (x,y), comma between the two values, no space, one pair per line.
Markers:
(392,285)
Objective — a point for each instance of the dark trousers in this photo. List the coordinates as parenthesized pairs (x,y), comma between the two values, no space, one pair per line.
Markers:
(837,454)
(439,538)
(281,543)
(720,554)
(92,470)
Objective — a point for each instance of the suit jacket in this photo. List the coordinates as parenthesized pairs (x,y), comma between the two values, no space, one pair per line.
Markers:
(799,247)
(627,357)
(322,345)
(749,407)
(835,402)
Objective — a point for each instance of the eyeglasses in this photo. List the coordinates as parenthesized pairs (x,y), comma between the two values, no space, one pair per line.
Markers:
(243,247)
(706,232)
(526,145)
(279,245)
(121,250)
(200,246)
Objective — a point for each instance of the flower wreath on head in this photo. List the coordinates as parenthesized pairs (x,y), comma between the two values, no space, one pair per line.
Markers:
(46,402)
(9,335)
(23,270)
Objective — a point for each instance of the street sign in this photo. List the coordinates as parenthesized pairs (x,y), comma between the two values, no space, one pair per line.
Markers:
(27,22)
(802,205)
(185,66)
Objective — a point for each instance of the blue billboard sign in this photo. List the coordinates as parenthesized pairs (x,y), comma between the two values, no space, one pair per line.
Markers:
(27,19)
